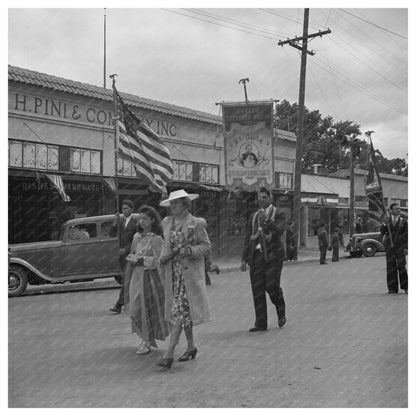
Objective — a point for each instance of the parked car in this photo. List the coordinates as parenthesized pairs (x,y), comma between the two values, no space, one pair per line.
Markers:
(84,251)
(365,243)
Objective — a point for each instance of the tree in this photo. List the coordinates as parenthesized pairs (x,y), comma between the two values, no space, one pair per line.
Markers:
(325,141)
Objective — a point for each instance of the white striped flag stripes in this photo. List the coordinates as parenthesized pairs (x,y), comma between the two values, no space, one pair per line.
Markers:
(142,146)
(373,188)
(58,184)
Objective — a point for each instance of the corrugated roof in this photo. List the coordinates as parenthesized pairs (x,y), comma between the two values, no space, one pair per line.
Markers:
(29,77)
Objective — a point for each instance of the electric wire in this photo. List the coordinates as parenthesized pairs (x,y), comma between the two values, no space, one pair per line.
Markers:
(367,37)
(235,22)
(371,51)
(220,24)
(360,87)
(373,24)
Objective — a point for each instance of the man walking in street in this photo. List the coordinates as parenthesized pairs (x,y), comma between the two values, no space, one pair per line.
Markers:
(394,235)
(125,227)
(335,244)
(323,243)
(264,251)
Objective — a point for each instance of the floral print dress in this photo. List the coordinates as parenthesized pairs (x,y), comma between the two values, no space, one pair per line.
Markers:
(181,314)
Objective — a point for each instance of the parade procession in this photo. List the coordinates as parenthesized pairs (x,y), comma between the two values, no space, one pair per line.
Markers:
(239,240)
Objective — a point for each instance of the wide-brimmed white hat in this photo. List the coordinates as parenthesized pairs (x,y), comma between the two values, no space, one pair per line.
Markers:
(176,195)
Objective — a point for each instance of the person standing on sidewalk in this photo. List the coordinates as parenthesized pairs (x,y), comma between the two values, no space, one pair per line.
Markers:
(335,244)
(394,235)
(186,242)
(264,252)
(125,227)
(323,243)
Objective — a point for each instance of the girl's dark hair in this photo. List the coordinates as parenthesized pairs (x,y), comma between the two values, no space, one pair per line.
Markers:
(154,215)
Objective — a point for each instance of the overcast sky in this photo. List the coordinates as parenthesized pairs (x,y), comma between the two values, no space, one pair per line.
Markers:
(359,72)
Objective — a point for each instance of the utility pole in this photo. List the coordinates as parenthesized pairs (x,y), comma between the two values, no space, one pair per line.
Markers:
(105,47)
(352,191)
(299,134)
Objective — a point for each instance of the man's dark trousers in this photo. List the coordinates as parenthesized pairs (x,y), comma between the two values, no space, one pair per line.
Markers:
(120,300)
(396,262)
(323,250)
(265,277)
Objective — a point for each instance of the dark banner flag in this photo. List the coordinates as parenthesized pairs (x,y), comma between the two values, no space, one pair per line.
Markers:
(373,188)
(248,142)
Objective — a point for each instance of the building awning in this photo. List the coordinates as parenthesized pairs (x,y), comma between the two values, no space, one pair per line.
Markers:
(211,188)
(194,185)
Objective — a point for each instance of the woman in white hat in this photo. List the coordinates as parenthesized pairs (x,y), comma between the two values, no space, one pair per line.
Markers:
(185,244)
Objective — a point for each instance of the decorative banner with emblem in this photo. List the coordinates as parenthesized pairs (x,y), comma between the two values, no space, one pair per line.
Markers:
(248,142)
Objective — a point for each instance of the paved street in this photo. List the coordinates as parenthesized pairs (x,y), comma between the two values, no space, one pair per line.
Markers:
(344,345)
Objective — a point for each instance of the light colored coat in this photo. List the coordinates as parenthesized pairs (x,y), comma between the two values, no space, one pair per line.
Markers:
(193,269)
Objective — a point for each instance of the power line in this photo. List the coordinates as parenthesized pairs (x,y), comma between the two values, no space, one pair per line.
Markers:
(361,87)
(371,68)
(381,67)
(373,24)
(235,22)
(219,24)
(368,37)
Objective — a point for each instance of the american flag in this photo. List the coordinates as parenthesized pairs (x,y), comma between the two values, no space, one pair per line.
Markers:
(140,145)
(373,188)
(58,184)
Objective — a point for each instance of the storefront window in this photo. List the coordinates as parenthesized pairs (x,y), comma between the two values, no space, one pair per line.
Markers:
(284,180)
(182,171)
(95,162)
(53,157)
(85,160)
(208,173)
(41,156)
(15,153)
(75,160)
(29,155)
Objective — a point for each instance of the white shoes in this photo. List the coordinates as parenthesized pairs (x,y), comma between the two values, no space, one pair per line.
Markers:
(143,349)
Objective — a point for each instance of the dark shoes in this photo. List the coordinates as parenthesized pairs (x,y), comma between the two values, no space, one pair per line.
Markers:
(165,363)
(188,354)
(392,292)
(116,309)
(282,322)
(257,329)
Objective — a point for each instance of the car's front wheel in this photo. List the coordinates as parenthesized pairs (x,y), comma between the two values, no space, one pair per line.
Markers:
(17,280)
(369,250)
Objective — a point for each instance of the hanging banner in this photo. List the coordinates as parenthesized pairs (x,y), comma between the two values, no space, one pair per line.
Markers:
(248,140)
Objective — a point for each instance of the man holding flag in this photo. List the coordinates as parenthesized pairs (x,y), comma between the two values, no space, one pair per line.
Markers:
(393,230)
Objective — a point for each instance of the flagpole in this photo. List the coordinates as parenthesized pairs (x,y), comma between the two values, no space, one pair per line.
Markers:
(386,209)
(115,118)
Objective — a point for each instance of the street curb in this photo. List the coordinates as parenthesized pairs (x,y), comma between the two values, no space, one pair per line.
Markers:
(305,261)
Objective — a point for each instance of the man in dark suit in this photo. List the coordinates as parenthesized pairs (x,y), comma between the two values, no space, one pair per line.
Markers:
(323,243)
(264,252)
(125,227)
(394,234)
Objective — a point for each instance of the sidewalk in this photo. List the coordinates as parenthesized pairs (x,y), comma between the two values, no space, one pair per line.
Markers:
(305,255)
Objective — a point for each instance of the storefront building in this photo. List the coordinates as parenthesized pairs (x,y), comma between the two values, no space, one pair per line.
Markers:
(64,128)
(61,127)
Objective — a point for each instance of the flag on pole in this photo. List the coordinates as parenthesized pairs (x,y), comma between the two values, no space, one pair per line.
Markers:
(142,146)
(373,188)
(58,184)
